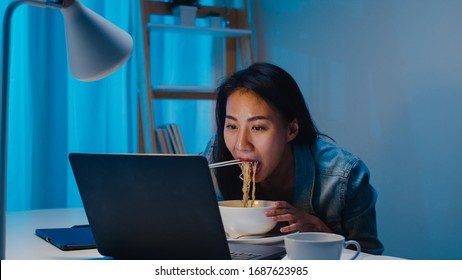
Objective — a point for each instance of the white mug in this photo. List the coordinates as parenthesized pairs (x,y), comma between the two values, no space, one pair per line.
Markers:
(317,246)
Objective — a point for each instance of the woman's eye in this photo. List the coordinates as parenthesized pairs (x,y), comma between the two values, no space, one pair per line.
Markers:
(230,126)
(258,128)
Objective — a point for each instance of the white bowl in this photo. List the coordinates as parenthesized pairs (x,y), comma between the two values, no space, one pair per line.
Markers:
(239,221)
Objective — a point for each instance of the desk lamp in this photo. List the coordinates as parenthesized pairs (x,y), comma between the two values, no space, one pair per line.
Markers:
(96,48)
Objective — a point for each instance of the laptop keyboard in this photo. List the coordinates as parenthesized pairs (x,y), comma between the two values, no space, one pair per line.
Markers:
(243,256)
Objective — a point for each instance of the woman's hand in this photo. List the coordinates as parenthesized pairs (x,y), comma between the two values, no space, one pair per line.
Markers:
(298,220)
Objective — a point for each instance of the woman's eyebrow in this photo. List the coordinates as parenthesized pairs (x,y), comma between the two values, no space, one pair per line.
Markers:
(257,118)
(254,118)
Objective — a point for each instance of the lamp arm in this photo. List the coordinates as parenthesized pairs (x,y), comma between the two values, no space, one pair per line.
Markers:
(53,4)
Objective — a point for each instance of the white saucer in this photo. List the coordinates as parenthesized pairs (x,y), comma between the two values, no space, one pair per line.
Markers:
(346,254)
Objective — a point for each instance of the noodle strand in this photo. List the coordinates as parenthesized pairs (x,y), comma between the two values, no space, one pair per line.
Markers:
(248,175)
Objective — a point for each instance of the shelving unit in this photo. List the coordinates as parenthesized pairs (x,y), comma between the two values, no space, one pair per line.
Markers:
(237,37)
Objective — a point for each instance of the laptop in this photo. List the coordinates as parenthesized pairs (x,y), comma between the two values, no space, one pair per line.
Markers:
(156,206)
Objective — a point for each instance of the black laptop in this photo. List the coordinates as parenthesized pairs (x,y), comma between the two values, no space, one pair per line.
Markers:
(153,206)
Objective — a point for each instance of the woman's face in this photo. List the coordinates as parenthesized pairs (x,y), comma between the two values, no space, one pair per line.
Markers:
(254,131)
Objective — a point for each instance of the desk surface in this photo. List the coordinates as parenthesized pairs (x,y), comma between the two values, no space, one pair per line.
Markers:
(22,243)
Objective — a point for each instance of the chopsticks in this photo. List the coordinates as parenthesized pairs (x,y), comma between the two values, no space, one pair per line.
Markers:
(224,163)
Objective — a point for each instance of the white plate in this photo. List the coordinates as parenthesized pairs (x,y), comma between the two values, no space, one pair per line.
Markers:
(258,240)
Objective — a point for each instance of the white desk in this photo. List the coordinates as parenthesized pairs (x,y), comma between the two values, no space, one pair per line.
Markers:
(22,243)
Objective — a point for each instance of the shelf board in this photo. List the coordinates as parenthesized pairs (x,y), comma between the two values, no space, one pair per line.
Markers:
(224,32)
(184,92)
(173,88)
(185,95)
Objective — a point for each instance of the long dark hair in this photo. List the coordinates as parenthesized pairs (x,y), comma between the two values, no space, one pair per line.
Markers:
(277,88)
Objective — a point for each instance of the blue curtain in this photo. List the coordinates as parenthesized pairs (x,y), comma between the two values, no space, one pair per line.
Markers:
(52,114)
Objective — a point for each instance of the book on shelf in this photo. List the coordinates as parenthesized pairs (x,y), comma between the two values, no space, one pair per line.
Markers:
(179,138)
(170,140)
(161,141)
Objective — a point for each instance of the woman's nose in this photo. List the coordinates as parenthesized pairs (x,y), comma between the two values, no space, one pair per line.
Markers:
(243,142)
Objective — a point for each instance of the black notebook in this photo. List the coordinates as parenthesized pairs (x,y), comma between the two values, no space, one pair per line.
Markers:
(66,239)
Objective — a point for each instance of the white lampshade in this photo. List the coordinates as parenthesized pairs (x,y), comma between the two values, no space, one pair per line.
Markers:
(96,47)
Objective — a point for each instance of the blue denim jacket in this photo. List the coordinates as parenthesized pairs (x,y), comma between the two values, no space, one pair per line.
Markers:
(333,185)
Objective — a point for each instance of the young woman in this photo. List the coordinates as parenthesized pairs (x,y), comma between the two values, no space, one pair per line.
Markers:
(261,116)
